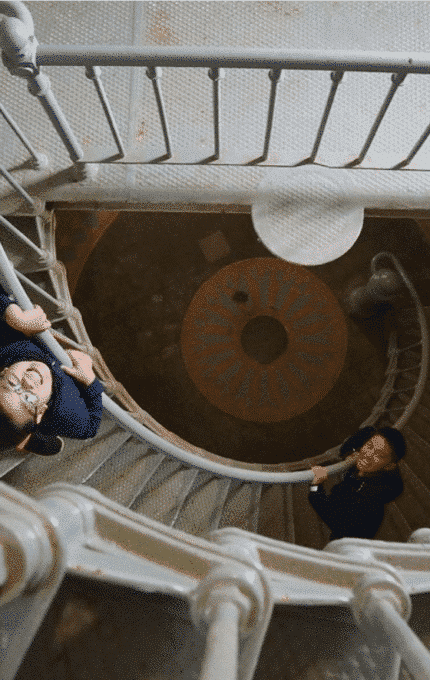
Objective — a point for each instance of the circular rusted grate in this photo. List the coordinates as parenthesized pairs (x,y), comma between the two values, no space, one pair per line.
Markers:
(264,340)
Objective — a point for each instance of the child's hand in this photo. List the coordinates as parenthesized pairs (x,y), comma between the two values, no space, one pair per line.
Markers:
(28,322)
(320,474)
(82,369)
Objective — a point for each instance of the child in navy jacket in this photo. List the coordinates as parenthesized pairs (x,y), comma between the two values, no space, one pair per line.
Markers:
(59,401)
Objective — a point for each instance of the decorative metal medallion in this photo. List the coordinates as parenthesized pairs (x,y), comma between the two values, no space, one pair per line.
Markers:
(264,340)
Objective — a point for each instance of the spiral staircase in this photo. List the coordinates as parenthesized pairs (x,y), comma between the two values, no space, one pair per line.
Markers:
(154,484)
(144,485)
(193,500)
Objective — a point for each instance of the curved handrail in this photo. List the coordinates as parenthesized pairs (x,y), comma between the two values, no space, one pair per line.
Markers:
(12,284)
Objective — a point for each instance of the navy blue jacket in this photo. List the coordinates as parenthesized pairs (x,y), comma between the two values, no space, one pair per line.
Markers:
(355,506)
(74,410)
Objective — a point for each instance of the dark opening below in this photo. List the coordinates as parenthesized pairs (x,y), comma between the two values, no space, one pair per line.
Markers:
(264,339)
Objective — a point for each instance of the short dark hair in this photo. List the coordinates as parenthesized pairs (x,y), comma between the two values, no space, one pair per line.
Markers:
(12,434)
(396,440)
(393,436)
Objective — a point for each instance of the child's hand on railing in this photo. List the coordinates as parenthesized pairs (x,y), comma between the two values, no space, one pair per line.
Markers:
(82,369)
(28,322)
(320,474)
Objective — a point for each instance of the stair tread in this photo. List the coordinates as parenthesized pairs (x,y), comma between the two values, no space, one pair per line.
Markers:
(237,509)
(160,500)
(196,516)
(121,476)
(310,530)
(37,471)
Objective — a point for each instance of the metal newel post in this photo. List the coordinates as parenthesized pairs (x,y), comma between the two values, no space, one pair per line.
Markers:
(413,652)
(222,640)
(19,46)
(379,605)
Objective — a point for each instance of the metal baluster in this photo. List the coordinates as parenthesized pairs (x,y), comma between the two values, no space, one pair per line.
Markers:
(8,177)
(275,75)
(38,289)
(40,86)
(10,227)
(40,160)
(154,73)
(415,149)
(93,73)
(397,79)
(216,74)
(336,77)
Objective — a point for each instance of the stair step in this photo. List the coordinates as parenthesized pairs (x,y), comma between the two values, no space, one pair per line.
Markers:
(403,527)
(122,477)
(274,523)
(417,455)
(80,465)
(310,530)
(38,471)
(162,499)
(239,507)
(394,526)
(414,502)
(10,459)
(202,511)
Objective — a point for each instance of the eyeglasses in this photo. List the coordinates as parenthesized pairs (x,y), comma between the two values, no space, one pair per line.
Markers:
(29,399)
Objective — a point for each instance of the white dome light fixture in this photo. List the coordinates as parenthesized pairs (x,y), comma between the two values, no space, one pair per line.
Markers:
(312,219)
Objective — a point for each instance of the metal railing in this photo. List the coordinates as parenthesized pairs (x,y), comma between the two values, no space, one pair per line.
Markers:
(11,281)
(24,57)
(230,579)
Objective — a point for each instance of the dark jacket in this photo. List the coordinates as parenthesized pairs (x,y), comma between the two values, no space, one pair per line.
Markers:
(74,410)
(355,506)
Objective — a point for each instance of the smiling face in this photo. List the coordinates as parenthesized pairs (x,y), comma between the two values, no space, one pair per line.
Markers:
(374,455)
(35,377)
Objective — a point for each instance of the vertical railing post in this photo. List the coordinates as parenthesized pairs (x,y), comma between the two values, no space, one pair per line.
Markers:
(383,613)
(233,606)
(154,73)
(275,76)
(94,73)
(216,74)
(39,86)
(221,657)
(381,607)
(40,161)
(336,77)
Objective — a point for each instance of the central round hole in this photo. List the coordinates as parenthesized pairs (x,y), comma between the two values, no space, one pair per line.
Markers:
(264,339)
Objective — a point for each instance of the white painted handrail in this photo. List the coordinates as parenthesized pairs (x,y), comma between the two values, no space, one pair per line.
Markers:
(233,57)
